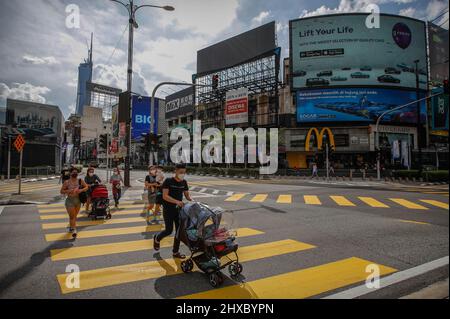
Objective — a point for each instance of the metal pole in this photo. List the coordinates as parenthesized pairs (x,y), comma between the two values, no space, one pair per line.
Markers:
(107,156)
(328,163)
(20,172)
(9,157)
(129,88)
(418,117)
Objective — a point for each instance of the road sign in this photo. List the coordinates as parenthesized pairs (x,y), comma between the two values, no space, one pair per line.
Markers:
(19,143)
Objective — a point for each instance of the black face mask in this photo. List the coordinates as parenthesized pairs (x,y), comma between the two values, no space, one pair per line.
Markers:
(74,175)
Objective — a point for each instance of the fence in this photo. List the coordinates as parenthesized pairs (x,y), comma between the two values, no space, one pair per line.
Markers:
(30,172)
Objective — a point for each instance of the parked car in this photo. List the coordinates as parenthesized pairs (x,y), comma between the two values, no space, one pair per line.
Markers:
(360,75)
(405,68)
(366,68)
(316,82)
(338,78)
(388,79)
(325,73)
(299,73)
(391,70)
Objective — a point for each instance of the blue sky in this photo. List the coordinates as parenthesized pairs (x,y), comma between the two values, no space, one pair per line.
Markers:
(39,55)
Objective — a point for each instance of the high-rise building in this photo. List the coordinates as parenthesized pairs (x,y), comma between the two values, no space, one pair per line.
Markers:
(84,76)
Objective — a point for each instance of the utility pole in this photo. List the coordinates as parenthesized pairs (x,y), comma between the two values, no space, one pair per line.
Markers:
(132,8)
(9,156)
(419,131)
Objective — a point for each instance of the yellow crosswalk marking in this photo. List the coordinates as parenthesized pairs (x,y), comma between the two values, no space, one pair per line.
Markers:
(298,284)
(408,204)
(95,222)
(97,278)
(372,202)
(413,222)
(235,197)
(342,201)
(435,203)
(61,204)
(259,198)
(284,199)
(125,247)
(82,215)
(312,200)
(62,208)
(104,232)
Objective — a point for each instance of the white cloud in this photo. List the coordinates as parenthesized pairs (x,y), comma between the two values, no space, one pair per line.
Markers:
(39,61)
(434,9)
(408,12)
(24,91)
(261,17)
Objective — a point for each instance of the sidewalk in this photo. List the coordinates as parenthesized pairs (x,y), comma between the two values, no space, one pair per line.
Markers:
(438,290)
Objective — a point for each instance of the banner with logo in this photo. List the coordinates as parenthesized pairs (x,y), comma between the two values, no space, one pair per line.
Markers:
(236,107)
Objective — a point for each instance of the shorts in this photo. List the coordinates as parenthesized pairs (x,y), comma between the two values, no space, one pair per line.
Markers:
(151,197)
(159,198)
(73,202)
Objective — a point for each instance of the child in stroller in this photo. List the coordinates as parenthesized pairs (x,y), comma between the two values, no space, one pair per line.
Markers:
(100,202)
(212,247)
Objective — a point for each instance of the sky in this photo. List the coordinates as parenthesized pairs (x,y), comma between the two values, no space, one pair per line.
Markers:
(39,54)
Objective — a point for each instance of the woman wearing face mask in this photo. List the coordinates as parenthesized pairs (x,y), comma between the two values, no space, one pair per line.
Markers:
(152,186)
(90,179)
(72,188)
(173,190)
(116,180)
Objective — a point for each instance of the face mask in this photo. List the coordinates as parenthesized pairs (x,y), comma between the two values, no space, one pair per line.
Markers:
(74,175)
(153,172)
(115,172)
(181,176)
(91,174)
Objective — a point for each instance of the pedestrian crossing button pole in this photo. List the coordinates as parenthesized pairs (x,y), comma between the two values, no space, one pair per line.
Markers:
(19,143)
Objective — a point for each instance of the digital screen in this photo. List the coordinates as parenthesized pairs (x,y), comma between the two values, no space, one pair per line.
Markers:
(341,51)
(358,105)
(141,117)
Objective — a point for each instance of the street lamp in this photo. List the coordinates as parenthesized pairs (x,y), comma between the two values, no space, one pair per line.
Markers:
(131,9)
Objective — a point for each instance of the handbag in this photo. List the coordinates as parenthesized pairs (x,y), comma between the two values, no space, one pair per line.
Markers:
(83,195)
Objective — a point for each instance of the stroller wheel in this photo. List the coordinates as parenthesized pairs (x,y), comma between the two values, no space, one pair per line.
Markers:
(215,279)
(187,265)
(108,216)
(235,269)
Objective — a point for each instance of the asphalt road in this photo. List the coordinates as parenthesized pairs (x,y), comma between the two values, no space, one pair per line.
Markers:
(296,241)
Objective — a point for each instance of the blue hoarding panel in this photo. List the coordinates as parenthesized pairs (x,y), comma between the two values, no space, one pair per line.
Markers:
(141,116)
(357,105)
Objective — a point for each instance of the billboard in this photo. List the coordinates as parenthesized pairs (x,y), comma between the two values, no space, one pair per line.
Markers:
(237,50)
(357,105)
(180,103)
(438,46)
(439,110)
(236,107)
(341,51)
(140,122)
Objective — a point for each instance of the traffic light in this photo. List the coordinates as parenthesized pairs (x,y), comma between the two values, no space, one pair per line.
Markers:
(215,81)
(103,141)
(445,86)
(124,107)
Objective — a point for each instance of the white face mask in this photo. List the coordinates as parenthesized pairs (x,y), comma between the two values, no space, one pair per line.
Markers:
(181,176)
(91,174)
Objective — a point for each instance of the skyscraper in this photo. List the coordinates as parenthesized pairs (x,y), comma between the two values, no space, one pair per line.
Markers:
(84,76)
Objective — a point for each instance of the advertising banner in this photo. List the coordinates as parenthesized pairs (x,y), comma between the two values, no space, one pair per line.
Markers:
(180,103)
(439,108)
(357,105)
(141,116)
(236,108)
(341,51)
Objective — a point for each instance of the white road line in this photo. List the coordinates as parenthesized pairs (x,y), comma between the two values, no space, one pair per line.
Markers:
(192,188)
(202,190)
(216,191)
(1,209)
(230,193)
(391,279)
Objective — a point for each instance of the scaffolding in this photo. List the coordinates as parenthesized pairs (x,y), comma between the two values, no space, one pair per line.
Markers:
(259,76)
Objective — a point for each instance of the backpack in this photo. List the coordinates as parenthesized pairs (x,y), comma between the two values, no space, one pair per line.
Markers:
(83,195)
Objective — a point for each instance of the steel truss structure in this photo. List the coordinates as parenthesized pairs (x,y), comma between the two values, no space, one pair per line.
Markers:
(260,76)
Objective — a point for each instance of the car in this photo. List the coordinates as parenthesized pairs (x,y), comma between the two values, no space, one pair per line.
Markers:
(346,68)
(388,79)
(360,75)
(316,82)
(366,68)
(405,68)
(299,73)
(391,70)
(338,78)
(325,73)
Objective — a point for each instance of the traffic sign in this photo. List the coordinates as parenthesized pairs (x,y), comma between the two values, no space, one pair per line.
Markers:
(19,143)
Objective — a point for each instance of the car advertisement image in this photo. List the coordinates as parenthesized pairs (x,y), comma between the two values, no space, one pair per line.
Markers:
(338,50)
(364,105)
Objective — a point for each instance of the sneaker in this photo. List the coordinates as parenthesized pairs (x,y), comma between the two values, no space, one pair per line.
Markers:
(154,221)
(74,233)
(155,243)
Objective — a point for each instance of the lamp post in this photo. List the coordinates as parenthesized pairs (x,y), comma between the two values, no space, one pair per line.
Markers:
(419,131)
(132,9)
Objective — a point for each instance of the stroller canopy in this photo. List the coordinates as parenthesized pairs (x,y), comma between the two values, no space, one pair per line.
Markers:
(196,215)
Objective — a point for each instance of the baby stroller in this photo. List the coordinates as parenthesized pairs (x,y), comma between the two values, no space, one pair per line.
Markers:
(212,247)
(100,202)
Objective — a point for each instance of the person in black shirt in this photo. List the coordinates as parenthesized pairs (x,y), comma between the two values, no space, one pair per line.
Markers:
(173,190)
(90,179)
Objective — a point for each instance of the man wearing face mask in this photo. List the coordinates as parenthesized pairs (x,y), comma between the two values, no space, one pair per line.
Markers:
(90,179)
(173,190)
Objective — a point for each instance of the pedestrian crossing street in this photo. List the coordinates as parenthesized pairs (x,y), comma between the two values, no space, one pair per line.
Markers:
(299,283)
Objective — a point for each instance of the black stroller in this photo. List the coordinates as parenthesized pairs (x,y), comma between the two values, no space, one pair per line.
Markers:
(212,247)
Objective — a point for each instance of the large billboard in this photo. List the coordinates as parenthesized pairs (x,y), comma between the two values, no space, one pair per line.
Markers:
(237,50)
(141,116)
(341,51)
(236,107)
(438,43)
(357,105)
(180,103)
(439,110)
